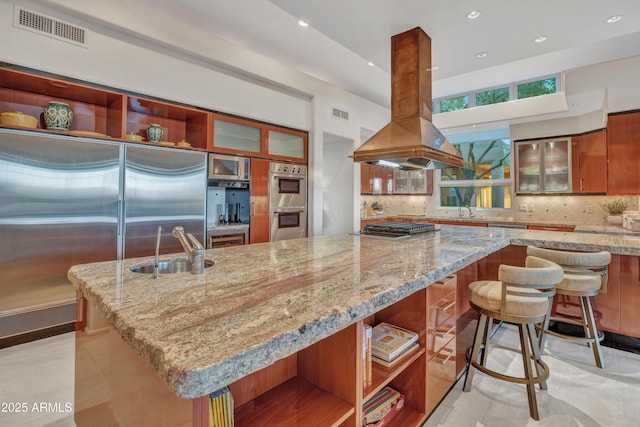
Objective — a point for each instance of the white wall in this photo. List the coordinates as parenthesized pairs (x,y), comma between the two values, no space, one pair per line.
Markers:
(337,185)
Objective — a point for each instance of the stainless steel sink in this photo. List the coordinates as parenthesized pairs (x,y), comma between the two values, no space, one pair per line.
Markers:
(177,265)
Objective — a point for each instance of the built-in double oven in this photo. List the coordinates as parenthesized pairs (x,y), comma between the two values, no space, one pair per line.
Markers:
(288,201)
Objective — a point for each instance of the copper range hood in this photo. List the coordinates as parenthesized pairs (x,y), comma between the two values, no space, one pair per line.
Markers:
(410,141)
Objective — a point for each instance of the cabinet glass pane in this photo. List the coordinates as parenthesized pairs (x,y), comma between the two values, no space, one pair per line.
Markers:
(236,136)
(285,144)
(556,165)
(418,181)
(528,166)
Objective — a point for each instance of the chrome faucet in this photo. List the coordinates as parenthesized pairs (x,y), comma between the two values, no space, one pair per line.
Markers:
(156,269)
(471,214)
(194,250)
(460,213)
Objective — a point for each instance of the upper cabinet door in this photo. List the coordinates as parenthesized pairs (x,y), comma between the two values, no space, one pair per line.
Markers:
(240,138)
(287,144)
(623,152)
(556,174)
(544,166)
(589,163)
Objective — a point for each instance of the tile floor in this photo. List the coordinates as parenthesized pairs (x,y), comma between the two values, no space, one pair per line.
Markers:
(579,394)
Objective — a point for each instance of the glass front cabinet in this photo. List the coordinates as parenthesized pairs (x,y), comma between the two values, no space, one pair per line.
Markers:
(543,166)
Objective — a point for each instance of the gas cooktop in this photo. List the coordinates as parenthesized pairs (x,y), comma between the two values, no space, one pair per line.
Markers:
(397,230)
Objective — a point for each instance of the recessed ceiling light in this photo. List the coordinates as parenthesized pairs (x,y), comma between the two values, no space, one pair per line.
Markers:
(540,39)
(473,14)
(303,23)
(481,54)
(370,64)
(614,18)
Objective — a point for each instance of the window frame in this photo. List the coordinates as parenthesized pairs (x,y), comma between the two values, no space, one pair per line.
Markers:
(510,182)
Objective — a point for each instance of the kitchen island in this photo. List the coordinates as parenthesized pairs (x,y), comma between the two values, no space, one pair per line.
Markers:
(263,304)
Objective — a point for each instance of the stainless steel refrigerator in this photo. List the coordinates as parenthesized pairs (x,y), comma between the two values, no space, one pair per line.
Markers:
(68,200)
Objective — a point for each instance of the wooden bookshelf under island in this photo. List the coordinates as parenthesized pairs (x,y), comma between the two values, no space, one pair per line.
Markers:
(281,324)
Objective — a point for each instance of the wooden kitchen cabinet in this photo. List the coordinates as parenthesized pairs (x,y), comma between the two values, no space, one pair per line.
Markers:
(623,152)
(441,340)
(259,224)
(366,183)
(375,179)
(413,182)
(589,163)
(94,110)
(178,123)
(630,295)
(566,229)
(112,114)
(467,223)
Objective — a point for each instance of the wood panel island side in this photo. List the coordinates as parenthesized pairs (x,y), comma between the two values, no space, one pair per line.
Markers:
(282,324)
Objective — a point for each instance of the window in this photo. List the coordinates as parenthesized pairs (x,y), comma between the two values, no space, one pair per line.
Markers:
(537,88)
(488,96)
(454,103)
(493,96)
(484,181)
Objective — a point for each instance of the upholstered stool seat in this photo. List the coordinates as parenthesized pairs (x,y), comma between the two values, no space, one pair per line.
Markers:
(585,275)
(488,295)
(522,296)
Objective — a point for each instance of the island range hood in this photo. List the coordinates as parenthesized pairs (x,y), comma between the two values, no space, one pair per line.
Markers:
(410,141)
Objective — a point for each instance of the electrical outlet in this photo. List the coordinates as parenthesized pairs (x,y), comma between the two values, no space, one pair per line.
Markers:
(523,208)
(589,209)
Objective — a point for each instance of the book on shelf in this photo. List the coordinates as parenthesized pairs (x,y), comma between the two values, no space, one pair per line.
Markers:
(379,405)
(367,375)
(399,358)
(221,408)
(388,341)
(391,413)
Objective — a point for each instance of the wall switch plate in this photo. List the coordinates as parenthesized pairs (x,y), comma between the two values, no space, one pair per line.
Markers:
(589,209)
(523,208)
(529,208)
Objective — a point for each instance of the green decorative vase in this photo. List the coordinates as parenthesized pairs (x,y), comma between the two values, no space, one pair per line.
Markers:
(154,133)
(58,116)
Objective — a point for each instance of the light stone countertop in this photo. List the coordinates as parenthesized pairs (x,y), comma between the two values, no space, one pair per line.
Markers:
(262,302)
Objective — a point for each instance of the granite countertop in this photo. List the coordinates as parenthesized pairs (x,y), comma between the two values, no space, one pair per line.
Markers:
(579,228)
(202,332)
(239,227)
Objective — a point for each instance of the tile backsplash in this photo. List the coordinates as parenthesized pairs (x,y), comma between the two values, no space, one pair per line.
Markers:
(565,209)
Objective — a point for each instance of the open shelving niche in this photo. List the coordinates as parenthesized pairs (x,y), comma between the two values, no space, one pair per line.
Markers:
(323,383)
(106,113)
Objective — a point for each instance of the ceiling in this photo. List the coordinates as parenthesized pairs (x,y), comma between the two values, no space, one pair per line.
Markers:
(344,35)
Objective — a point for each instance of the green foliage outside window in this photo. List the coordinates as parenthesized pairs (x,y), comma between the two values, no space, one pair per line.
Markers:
(484,161)
(455,103)
(539,87)
(492,96)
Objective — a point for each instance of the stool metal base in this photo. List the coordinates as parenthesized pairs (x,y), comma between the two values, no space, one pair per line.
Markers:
(531,359)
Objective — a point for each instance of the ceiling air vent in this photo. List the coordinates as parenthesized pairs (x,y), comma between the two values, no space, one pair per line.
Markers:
(51,27)
(340,114)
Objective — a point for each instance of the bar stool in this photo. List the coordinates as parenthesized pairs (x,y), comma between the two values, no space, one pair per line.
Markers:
(522,295)
(585,275)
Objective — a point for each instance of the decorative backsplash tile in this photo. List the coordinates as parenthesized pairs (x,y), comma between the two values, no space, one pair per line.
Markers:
(566,209)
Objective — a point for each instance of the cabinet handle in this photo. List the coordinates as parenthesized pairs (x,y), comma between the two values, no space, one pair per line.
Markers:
(581,184)
(446,307)
(253,208)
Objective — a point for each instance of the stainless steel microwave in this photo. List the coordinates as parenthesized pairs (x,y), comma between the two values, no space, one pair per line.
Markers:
(225,167)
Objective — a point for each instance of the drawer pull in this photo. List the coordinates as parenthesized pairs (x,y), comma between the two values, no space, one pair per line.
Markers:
(446,307)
